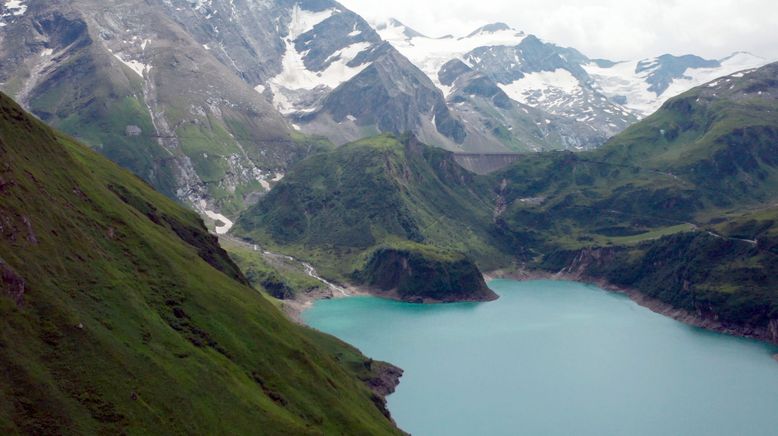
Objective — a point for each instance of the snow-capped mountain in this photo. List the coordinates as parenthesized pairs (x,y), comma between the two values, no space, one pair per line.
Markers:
(339,79)
(532,73)
(642,86)
(211,100)
(313,65)
(163,88)
(430,54)
(202,97)
(590,99)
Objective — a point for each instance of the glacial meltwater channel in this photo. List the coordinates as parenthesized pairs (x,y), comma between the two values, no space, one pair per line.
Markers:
(558,358)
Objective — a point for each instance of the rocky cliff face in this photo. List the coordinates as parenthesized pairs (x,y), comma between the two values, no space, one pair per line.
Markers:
(772,330)
(423,276)
(391,95)
(153,88)
(579,102)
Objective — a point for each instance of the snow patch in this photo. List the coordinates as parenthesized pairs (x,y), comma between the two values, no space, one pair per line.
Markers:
(622,80)
(291,87)
(139,68)
(430,54)
(295,76)
(16,8)
(13,8)
(225,223)
(542,82)
(304,21)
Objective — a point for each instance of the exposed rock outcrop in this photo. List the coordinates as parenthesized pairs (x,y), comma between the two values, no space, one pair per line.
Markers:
(13,285)
(772,330)
(423,276)
(384,382)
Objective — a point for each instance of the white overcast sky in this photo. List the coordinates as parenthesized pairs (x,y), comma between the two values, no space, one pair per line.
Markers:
(613,29)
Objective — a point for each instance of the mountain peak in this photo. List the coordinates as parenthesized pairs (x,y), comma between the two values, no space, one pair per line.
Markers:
(747,59)
(393,23)
(742,53)
(490,28)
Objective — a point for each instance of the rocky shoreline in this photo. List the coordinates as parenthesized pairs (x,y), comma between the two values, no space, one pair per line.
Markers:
(383,384)
(768,335)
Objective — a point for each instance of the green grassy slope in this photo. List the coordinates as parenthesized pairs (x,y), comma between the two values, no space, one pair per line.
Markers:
(335,208)
(120,314)
(708,151)
(721,137)
(680,206)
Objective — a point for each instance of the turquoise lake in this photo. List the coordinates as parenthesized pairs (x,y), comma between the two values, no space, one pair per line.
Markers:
(558,358)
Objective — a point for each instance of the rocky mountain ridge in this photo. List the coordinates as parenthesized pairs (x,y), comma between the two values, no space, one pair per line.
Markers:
(211,101)
(582,101)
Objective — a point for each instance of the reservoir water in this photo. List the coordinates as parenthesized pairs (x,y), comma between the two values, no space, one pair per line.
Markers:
(558,358)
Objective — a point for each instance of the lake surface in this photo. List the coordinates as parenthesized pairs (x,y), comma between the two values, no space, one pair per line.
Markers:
(558,358)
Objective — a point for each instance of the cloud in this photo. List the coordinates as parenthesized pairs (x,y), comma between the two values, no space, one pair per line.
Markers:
(613,29)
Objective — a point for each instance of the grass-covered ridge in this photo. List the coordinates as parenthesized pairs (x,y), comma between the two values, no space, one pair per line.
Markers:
(679,206)
(120,314)
(334,208)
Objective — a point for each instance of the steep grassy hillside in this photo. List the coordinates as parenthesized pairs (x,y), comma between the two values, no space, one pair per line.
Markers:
(722,137)
(119,313)
(704,153)
(336,208)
